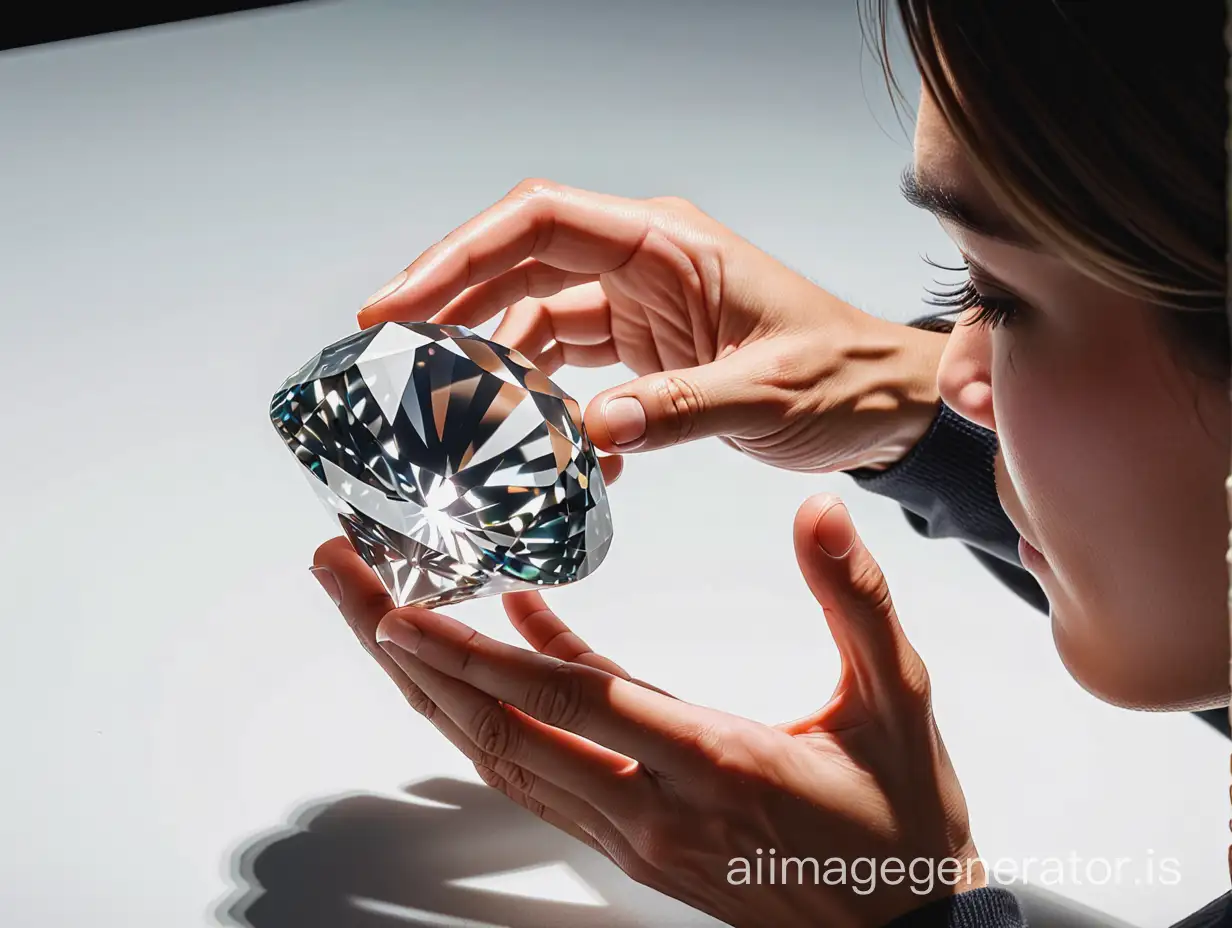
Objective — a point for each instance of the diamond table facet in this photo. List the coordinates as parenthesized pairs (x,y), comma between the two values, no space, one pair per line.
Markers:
(456,468)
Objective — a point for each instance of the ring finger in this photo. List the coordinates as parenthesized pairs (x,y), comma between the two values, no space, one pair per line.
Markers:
(552,803)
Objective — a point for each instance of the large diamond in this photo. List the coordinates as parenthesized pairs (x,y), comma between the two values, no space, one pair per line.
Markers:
(456,468)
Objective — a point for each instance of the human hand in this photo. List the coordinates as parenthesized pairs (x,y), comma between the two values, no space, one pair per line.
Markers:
(725,340)
(675,793)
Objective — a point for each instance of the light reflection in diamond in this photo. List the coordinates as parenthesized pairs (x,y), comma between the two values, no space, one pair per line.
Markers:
(456,469)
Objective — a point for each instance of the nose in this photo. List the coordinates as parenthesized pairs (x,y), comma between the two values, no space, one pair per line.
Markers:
(964,376)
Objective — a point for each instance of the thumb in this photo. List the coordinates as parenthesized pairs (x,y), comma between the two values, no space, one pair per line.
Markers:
(847,582)
(728,396)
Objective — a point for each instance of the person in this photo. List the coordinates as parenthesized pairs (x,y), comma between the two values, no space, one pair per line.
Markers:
(1071,426)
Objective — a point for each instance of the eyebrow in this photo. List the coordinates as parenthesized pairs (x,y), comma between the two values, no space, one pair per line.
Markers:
(944,203)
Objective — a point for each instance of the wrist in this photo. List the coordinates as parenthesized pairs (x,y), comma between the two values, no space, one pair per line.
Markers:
(951,877)
(900,396)
(974,874)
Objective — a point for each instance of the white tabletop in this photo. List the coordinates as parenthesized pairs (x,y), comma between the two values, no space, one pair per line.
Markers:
(189,213)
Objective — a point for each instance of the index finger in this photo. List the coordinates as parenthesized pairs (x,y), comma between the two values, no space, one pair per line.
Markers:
(575,231)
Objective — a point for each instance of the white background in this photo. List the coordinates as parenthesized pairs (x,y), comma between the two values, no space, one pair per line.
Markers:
(190,212)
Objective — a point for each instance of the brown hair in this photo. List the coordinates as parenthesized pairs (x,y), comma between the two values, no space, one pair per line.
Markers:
(1100,129)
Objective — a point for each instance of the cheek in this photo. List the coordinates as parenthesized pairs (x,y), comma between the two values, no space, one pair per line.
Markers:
(1123,491)
(1109,462)
(1081,479)
(1076,459)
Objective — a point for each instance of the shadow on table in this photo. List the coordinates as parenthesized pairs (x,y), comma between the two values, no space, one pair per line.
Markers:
(367,861)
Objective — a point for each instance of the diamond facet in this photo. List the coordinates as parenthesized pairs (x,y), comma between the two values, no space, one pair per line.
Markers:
(456,468)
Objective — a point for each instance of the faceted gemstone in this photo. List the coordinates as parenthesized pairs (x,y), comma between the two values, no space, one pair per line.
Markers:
(456,468)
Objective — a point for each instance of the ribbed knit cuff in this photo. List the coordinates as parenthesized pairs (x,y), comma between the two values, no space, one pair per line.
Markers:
(990,907)
(949,481)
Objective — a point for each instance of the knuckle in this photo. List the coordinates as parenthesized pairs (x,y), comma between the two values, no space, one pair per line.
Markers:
(917,683)
(710,742)
(639,870)
(681,403)
(532,194)
(657,847)
(493,732)
(869,586)
(559,702)
(518,778)
(489,776)
(512,784)
(466,645)
(675,203)
(733,754)
(533,186)
(418,700)
(785,364)
(530,804)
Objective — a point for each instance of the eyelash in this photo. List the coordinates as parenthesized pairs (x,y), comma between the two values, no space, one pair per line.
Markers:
(990,312)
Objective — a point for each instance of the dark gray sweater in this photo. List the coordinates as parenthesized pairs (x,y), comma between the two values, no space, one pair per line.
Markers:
(947,490)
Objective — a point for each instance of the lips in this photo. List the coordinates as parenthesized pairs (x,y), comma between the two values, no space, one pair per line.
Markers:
(1030,555)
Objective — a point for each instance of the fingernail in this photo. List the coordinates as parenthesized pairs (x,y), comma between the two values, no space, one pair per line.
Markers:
(328,582)
(400,632)
(625,419)
(386,290)
(834,531)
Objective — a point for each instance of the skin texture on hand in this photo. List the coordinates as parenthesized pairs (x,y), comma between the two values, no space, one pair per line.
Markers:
(725,340)
(673,792)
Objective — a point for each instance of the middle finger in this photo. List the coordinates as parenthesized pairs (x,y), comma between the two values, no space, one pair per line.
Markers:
(507,740)
(580,315)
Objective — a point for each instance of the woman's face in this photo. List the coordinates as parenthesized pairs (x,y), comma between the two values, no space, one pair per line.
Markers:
(1113,454)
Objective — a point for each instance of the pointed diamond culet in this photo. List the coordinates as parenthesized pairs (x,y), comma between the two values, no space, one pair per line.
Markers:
(456,468)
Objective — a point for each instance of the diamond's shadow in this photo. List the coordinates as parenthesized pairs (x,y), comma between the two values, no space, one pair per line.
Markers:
(368,861)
